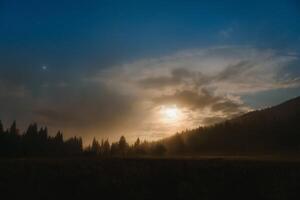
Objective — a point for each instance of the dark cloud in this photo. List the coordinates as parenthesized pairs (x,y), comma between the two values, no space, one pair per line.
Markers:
(213,120)
(86,107)
(9,89)
(194,100)
(206,86)
(189,99)
(161,81)
(66,104)
(231,72)
(228,107)
(237,72)
(258,72)
(181,73)
(176,77)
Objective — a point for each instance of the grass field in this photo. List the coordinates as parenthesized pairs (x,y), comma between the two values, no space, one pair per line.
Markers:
(150,178)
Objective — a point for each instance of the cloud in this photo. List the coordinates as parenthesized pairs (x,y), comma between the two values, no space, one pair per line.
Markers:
(189,99)
(8,89)
(202,100)
(207,85)
(87,109)
(213,120)
(229,69)
(177,77)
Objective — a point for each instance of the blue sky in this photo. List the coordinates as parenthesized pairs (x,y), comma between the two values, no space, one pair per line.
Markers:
(49,45)
(120,30)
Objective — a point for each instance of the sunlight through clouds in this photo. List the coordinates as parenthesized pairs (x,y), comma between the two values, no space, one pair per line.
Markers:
(197,87)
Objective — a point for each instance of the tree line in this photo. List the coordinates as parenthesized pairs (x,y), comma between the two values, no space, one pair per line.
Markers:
(122,148)
(272,130)
(37,142)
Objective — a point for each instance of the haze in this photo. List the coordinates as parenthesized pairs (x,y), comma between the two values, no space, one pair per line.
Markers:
(144,69)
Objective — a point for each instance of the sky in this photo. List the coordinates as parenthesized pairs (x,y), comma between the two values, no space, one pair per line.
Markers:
(144,69)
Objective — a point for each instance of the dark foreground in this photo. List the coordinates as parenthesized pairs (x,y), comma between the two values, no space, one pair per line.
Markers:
(149,179)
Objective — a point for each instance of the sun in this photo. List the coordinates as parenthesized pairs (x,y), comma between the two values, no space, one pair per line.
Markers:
(170,113)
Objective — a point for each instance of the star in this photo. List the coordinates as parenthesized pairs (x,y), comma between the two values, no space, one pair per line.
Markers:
(44,67)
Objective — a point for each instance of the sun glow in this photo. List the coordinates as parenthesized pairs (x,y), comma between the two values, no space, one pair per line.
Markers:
(170,113)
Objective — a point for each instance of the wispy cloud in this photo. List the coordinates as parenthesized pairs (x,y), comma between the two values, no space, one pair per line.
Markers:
(207,85)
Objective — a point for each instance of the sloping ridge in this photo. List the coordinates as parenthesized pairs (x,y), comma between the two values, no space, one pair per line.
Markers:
(282,111)
(267,131)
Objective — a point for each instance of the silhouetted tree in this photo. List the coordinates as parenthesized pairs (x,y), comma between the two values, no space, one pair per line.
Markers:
(137,143)
(57,144)
(13,129)
(137,148)
(266,131)
(176,145)
(73,146)
(105,147)
(59,138)
(96,148)
(158,149)
(123,146)
(114,149)
(1,127)
(36,142)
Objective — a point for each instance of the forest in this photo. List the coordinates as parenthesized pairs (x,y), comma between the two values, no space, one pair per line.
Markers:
(269,131)
(37,142)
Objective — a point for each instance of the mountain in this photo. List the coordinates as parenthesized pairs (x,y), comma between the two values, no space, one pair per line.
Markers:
(269,131)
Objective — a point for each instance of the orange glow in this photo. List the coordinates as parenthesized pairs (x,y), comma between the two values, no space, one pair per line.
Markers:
(170,114)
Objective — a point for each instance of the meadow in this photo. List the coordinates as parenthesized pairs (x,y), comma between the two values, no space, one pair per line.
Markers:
(149,178)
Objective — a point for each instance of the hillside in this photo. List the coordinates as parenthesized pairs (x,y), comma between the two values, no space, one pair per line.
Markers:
(269,131)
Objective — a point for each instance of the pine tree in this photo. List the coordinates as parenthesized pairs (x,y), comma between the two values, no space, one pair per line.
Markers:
(13,129)
(106,148)
(123,146)
(1,128)
(95,147)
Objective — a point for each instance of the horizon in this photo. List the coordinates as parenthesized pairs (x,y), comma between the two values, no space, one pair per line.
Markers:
(144,69)
(88,144)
